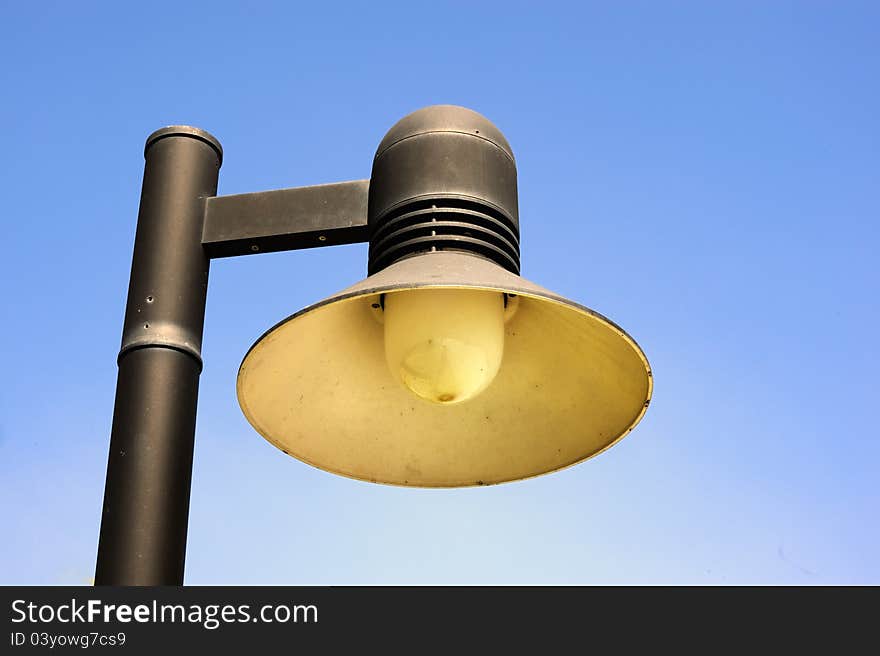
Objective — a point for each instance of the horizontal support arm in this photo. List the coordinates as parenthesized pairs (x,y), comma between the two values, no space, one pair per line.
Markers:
(286,219)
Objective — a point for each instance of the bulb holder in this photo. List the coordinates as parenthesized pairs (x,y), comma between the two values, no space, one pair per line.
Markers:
(443,179)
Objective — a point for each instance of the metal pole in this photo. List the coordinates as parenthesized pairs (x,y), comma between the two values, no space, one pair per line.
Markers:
(149,469)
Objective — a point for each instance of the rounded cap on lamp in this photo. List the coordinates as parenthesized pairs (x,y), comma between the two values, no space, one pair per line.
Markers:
(571,384)
(445,118)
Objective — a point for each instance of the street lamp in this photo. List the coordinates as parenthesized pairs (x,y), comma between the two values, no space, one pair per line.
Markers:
(443,368)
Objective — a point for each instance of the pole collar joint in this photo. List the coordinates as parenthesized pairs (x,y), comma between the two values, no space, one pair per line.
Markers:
(161,335)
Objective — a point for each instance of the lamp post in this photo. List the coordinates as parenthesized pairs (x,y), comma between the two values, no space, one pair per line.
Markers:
(443,368)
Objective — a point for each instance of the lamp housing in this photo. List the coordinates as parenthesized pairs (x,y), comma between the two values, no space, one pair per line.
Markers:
(442,216)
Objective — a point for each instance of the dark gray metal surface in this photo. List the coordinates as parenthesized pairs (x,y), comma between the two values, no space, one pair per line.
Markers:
(444,178)
(149,469)
(286,219)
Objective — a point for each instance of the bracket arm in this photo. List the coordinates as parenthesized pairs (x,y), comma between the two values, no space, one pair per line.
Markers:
(286,219)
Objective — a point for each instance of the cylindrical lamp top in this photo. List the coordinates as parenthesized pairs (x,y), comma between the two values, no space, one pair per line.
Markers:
(444,178)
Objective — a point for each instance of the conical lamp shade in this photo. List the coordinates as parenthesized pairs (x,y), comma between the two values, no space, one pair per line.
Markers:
(570,385)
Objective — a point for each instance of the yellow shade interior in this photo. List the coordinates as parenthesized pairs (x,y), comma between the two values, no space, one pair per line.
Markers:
(318,386)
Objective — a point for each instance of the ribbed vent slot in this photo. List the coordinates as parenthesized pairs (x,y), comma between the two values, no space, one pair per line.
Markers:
(444,224)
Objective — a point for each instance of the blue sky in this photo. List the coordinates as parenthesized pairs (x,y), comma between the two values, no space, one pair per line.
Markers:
(704,174)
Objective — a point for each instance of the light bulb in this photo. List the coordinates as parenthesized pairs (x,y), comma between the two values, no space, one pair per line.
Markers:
(445,345)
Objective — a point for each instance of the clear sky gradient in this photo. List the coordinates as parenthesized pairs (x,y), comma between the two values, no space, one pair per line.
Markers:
(704,174)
